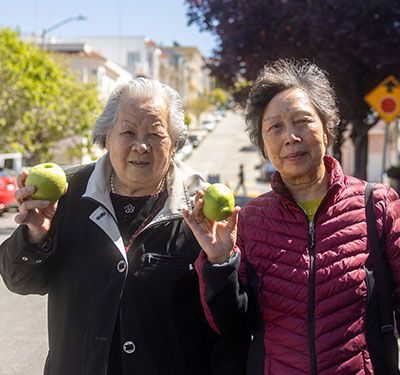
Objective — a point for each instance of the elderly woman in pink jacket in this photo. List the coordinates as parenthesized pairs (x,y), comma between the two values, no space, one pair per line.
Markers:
(295,265)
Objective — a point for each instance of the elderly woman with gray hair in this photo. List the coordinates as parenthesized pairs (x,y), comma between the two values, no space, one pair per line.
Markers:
(297,264)
(114,254)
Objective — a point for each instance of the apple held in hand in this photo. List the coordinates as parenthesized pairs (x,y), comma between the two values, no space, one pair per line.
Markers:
(218,202)
(50,181)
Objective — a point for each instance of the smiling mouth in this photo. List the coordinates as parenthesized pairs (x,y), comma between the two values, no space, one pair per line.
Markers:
(139,163)
(295,155)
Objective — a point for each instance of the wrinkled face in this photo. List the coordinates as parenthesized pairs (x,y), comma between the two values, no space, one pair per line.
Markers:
(139,145)
(293,135)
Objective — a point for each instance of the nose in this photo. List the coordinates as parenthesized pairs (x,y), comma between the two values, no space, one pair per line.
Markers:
(291,135)
(141,147)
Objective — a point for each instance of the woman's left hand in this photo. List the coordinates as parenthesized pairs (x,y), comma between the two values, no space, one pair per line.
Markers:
(217,239)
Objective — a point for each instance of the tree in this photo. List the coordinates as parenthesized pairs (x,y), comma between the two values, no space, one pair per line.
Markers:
(40,102)
(356,42)
(218,97)
(188,119)
(198,106)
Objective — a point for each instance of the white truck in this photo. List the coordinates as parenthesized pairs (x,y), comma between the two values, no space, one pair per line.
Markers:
(11,161)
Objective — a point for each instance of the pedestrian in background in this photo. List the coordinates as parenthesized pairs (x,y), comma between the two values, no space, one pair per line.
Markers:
(114,254)
(300,252)
(241,182)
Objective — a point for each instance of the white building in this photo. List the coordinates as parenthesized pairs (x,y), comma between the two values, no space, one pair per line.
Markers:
(90,66)
(139,55)
(198,74)
(174,71)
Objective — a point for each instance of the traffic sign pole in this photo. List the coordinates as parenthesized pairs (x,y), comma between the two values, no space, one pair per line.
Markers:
(384,156)
(398,140)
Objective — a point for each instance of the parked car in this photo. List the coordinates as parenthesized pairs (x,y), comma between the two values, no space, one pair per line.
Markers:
(209,125)
(185,151)
(197,135)
(194,140)
(8,186)
(241,200)
(221,113)
(266,172)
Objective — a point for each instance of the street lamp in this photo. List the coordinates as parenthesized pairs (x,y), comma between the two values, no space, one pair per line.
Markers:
(61,23)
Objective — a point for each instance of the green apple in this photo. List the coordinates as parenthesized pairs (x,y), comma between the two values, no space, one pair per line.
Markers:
(218,202)
(50,181)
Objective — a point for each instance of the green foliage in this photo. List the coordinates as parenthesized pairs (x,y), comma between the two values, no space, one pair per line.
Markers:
(198,106)
(40,102)
(218,97)
(188,119)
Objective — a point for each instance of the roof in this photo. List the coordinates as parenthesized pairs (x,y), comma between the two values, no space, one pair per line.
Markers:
(184,50)
(82,49)
(73,48)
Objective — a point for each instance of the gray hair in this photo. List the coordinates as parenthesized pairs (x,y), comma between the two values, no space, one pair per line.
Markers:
(284,74)
(142,88)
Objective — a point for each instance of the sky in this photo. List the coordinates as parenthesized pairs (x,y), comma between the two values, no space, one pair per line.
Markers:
(163,21)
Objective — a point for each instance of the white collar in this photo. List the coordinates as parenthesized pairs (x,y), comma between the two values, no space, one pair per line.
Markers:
(182,184)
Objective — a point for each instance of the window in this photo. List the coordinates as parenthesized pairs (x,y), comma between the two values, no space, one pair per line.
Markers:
(151,62)
(133,58)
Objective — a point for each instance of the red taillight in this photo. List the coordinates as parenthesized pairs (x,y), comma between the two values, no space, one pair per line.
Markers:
(8,183)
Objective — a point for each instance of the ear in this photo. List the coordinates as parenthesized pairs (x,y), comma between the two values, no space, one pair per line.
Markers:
(325,139)
(106,141)
(173,151)
(264,152)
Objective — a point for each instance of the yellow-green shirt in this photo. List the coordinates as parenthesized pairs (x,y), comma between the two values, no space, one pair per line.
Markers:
(310,207)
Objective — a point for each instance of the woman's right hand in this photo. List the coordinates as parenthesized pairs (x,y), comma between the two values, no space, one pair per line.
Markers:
(35,214)
(217,239)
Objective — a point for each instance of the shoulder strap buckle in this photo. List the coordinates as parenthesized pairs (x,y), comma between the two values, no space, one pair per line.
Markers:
(387,329)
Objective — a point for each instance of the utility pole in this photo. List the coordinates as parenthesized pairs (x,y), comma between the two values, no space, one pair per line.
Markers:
(59,24)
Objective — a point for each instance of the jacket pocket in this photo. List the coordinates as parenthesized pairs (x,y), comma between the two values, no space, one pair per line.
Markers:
(167,263)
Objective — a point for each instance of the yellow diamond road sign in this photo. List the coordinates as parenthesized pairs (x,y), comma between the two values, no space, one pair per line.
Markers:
(385,99)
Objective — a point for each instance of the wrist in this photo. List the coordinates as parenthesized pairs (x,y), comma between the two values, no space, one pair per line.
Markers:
(221,259)
(36,238)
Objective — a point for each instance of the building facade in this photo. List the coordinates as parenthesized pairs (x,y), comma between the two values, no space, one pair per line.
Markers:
(199,81)
(90,66)
(138,55)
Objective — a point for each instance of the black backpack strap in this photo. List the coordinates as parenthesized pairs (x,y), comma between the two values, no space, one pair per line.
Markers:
(383,284)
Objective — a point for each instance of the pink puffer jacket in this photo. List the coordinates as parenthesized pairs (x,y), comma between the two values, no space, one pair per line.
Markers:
(311,278)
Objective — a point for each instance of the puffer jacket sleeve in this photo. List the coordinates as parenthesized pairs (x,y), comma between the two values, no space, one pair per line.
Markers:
(391,225)
(223,295)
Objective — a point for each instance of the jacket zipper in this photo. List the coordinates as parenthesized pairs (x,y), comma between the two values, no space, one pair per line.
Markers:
(311,301)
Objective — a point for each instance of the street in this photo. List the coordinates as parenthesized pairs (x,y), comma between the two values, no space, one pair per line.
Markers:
(23,336)
(224,150)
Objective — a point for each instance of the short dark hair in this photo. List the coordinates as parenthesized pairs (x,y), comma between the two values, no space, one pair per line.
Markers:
(284,74)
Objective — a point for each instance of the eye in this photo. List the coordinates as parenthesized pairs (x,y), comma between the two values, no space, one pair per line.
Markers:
(128,132)
(302,121)
(274,127)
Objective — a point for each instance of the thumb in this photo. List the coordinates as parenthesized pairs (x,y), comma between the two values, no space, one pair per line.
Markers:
(233,219)
(189,219)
